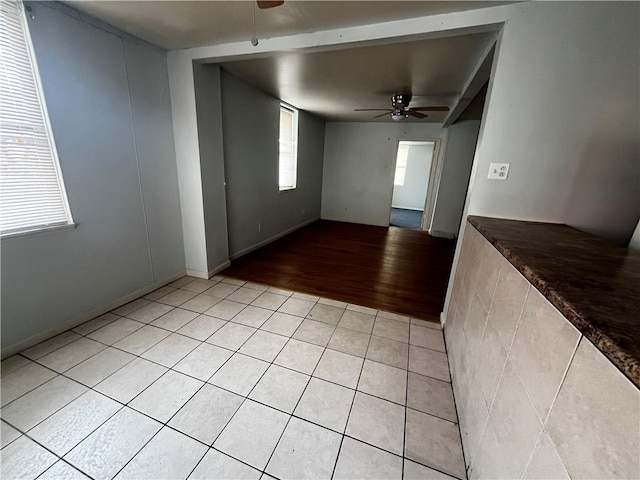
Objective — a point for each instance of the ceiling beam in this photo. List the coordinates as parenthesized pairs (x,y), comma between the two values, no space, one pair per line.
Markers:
(479,76)
(421,28)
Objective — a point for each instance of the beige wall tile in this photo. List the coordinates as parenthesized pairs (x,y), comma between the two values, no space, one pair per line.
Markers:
(474,326)
(508,300)
(515,423)
(490,462)
(542,349)
(474,257)
(488,273)
(545,462)
(473,415)
(491,364)
(434,442)
(595,419)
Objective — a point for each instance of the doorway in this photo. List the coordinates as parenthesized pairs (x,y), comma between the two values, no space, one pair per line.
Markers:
(411,180)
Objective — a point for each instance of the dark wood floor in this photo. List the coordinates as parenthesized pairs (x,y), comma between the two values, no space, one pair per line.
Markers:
(394,269)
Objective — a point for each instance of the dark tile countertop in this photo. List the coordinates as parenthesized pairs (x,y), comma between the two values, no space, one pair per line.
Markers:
(591,281)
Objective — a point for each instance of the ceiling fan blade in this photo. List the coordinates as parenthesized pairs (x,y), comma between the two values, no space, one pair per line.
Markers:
(430,109)
(384,114)
(416,114)
(373,110)
(269,4)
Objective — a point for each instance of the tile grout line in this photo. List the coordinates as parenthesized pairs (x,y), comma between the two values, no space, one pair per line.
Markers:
(455,406)
(150,323)
(90,388)
(139,356)
(61,459)
(234,351)
(406,404)
(269,406)
(165,424)
(352,402)
(58,458)
(245,399)
(196,378)
(364,360)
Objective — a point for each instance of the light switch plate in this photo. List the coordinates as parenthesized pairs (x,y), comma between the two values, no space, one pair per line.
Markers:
(498,171)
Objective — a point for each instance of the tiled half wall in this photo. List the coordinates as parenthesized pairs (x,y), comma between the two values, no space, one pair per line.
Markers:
(535,398)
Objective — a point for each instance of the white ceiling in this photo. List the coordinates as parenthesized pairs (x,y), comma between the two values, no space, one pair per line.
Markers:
(332,83)
(184,24)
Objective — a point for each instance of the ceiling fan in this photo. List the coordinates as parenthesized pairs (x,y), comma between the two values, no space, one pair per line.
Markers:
(401,110)
(269,4)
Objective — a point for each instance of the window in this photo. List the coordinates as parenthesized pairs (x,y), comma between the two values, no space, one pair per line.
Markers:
(31,187)
(401,164)
(288,147)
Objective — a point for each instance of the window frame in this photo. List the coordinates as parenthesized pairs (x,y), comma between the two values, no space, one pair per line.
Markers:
(294,143)
(55,161)
(401,167)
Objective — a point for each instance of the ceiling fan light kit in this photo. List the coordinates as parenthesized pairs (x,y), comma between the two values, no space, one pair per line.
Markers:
(400,109)
(267,4)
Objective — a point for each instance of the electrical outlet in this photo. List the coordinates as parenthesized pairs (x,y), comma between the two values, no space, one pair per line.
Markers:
(498,171)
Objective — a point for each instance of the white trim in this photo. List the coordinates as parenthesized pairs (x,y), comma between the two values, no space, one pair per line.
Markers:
(35,230)
(432,183)
(439,156)
(45,114)
(441,234)
(475,82)
(37,179)
(407,208)
(198,274)
(479,20)
(80,319)
(187,151)
(244,251)
(472,175)
(210,273)
(294,149)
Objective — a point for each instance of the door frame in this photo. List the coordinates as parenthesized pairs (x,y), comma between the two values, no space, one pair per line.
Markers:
(427,212)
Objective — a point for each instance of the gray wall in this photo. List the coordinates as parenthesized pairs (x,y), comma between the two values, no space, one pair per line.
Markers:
(210,141)
(251,131)
(635,238)
(454,179)
(108,102)
(357,183)
(413,192)
(564,109)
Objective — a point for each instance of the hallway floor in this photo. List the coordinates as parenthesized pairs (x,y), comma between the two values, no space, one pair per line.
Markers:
(225,379)
(401,217)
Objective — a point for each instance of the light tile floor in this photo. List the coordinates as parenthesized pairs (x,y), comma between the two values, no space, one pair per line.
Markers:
(225,379)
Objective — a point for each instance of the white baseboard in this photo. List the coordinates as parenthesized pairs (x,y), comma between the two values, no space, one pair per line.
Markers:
(210,273)
(408,208)
(96,312)
(244,251)
(440,234)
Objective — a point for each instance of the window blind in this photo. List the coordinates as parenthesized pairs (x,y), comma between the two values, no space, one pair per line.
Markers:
(31,189)
(288,148)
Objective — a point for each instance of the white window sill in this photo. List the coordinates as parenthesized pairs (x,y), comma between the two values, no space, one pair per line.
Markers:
(34,231)
(287,189)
